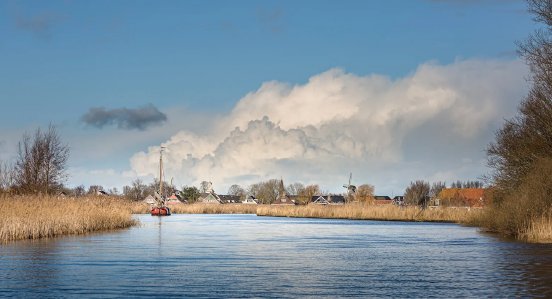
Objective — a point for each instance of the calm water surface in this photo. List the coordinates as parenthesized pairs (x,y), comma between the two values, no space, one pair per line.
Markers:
(248,256)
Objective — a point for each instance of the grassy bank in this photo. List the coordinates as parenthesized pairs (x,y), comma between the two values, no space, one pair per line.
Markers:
(34,217)
(369,212)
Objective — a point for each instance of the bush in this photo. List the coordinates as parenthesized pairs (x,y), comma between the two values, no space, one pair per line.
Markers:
(517,211)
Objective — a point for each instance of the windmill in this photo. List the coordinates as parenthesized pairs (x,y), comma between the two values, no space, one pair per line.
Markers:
(351,189)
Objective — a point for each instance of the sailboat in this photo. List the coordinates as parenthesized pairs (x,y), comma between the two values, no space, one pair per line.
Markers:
(160,208)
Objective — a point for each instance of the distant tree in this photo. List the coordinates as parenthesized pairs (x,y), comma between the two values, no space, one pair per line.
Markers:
(295,188)
(7,176)
(266,192)
(305,196)
(136,191)
(417,194)
(94,189)
(237,190)
(113,191)
(41,162)
(79,191)
(168,189)
(190,193)
(204,186)
(364,193)
(436,188)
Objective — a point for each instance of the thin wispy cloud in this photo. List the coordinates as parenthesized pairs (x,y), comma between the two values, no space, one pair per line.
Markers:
(40,25)
(271,19)
(125,118)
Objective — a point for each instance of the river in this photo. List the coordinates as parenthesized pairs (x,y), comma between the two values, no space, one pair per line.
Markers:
(248,256)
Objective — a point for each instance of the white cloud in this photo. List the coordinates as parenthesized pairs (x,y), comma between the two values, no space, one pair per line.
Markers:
(339,122)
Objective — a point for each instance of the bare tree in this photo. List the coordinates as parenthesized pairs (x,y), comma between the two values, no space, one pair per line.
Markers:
(7,176)
(295,188)
(266,192)
(436,188)
(79,191)
(41,162)
(136,191)
(236,190)
(364,193)
(95,189)
(305,196)
(527,138)
(417,194)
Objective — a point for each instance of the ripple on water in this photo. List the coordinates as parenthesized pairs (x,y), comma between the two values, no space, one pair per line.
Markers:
(248,256)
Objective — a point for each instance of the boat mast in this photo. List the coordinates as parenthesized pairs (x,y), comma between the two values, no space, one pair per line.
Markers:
(161,171)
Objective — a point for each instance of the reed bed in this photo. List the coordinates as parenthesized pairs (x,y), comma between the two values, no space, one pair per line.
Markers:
(538,231)
(42,217)
(370,212)
(199,208)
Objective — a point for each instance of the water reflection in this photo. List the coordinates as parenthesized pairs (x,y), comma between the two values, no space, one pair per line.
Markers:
(249,256)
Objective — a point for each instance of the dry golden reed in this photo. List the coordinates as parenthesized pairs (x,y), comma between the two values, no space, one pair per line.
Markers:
(370,212)
(26,217)
(198,208)
(349,211)
(538,231)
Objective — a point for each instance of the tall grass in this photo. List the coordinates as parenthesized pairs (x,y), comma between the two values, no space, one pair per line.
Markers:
(370,212)
(539,230)
(40,217)
(349,211)
(198,208)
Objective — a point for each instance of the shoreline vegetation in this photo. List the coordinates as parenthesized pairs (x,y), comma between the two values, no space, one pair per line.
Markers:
(34,217)
(44,217)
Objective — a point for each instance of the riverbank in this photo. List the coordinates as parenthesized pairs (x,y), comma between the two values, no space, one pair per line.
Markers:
(25,217)
(535,229)
(34,217)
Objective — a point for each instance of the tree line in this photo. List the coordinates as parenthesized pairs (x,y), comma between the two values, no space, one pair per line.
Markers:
(265,191)
(420,192)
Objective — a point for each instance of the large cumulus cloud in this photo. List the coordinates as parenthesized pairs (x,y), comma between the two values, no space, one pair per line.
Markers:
(378,127)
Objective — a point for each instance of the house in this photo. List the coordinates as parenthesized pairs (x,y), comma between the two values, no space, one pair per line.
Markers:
(467,197)
(229,199)
(283,198)
(250,200)
(320,200)
(398,200)
(173,200)
(328,200)
(150,200)
(382,200)
(210,197)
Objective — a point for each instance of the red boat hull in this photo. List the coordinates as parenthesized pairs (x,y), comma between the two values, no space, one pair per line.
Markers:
(164,211)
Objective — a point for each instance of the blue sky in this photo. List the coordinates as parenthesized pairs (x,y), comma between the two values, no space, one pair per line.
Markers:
(195,61)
